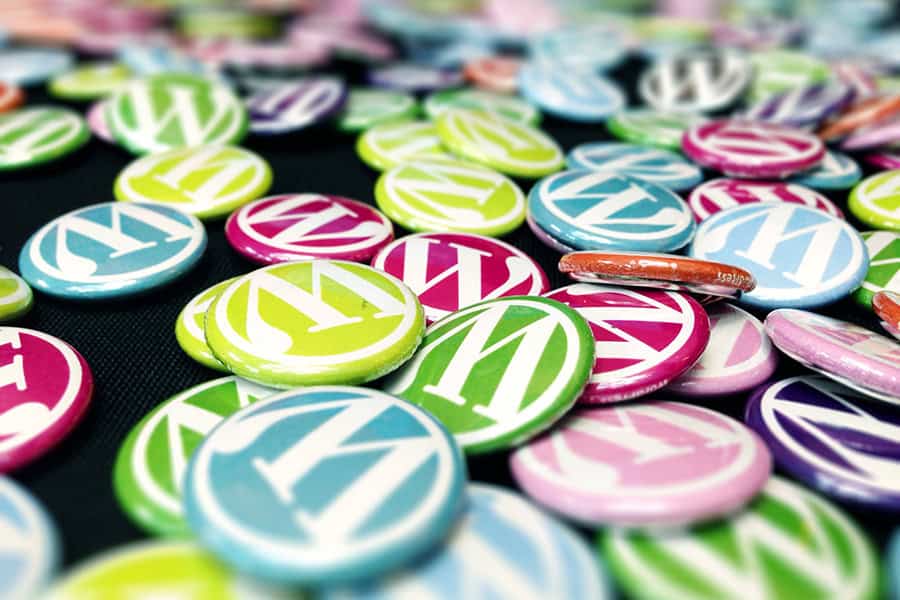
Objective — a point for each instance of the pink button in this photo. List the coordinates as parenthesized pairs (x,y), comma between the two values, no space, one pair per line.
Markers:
(96,119)
(300,226)
(646,464)
(449,271)
(719,194)
(45,388)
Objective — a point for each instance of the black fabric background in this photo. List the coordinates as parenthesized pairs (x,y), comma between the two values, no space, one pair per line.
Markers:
(130,344)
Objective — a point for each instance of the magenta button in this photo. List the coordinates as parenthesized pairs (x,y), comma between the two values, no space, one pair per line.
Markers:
(723,193)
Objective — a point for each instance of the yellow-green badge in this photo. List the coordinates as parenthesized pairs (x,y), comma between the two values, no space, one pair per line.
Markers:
(15,296)
(190,327)
(450,195)
(781,70)
(512,147)
(876,200)
(205,181)
(367,108)
(90,82)
(511,107)
(388,145)
(314,322)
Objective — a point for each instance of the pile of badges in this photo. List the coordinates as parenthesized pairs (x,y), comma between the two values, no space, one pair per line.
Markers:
(361,367)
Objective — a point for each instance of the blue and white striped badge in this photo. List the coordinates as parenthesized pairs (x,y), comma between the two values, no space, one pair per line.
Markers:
(572,92)
(593,46)
(31,66)
(658,166)
(29,549)
(837,171)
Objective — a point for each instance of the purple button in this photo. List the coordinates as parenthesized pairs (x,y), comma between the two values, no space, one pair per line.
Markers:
(646,464)
(644,338)
(299,226)
(412,78)
(831,438)
(719,194)
(285,107)
(802,106)
(450,271)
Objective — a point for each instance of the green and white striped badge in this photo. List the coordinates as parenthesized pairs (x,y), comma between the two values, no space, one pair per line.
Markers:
(32,136)
(884,266)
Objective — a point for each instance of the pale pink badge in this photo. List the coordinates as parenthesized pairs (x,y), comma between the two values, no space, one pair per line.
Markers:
(718,194)
(645,338)
(300,226)
(646,464)
(739,356)
(449,271)
(45,388)
(753,149)
(96,119)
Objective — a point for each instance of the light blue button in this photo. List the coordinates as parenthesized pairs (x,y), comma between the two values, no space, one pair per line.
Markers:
(591,210)
(892,566)
(32,66)
(111,250)
(594,46)
(570,92)
(503,547)
(801,257)
(650,164)
(29,548)
(837,171)
(324,485)
(145,60)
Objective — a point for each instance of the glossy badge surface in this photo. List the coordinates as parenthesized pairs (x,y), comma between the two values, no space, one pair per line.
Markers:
(30,543)
(658,166)
(887,307)
(38,134)
(884,266)
(390,144)
(293,105)
(648,127)
(876,200)
(719,194)
(802,106)
(16,297)
(575,93)
(190,327)
(837,171)
(508,106)
(366,108)
(695,81)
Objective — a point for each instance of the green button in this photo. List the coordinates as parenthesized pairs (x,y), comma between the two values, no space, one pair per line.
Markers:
(32,136)
(388,145)
(876,200)
(190,327)
(884,266)
(314,322)
(15,296)
(225,23)
(499,372)
(511,107)
(205,181)
(450,195)
(150,465)
(367,108)
(509,146)
(787,545)
(90,82)
(652,127)
(778,71)
(169,111)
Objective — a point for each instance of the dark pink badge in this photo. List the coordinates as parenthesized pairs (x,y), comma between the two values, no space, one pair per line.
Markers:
(719,194)
(884,160)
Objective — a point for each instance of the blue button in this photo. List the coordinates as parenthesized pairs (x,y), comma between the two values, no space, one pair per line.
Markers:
(32,66)
(111,250)
(325,485)
(30,546)
(893,565)
(570,92)
(144,60)
(590,210)
(801,257)
(650,164)
(594,46)
(837,171)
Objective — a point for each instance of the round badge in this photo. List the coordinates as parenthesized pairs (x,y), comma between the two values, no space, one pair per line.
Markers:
(38,134)
(575,46)
(392,462)
(504,105)
(96,120)
(741,148)
(450,195)
(499,372)
(591,210)
(830,438)
(545,238)
(803,106)
(150,465)
(837,171)
(112,250)
(801,257)
(788,543)
(717,195)
(647,127)
(32,66)
(884,266)
(414,78)
(887,307)
(15,296)
(876,200)
(391,144)
(664,464)
(41,374)
(739,356)
(190,327)
(163,58)
(777,71)
(662,271)
(90,82)
(884,160)
(573,93)
(450,271)
(655,165)
(366,108)
(204,181)
(868,112)
(168,111)
(696,81)
(539,557)
(299,226)
(509,146)
(850,354)
(644,338)
(290,106)
(30,543)
(312,322)
(875,136)
(11,97)
(494,73)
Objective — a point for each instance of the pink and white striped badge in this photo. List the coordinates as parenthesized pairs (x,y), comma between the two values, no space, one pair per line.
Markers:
(718,194)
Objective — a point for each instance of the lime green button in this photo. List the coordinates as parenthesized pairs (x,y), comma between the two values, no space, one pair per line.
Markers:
(151,463)
(90,82)
(884,266)
(205,181)
(650,127)
(15,296)
(450,195)
(314,322)
(388,145)
(508,146)
(367,108)
(876,200)
(511,107)
(190,327)
(205,22)
(32,136)
(777,71)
